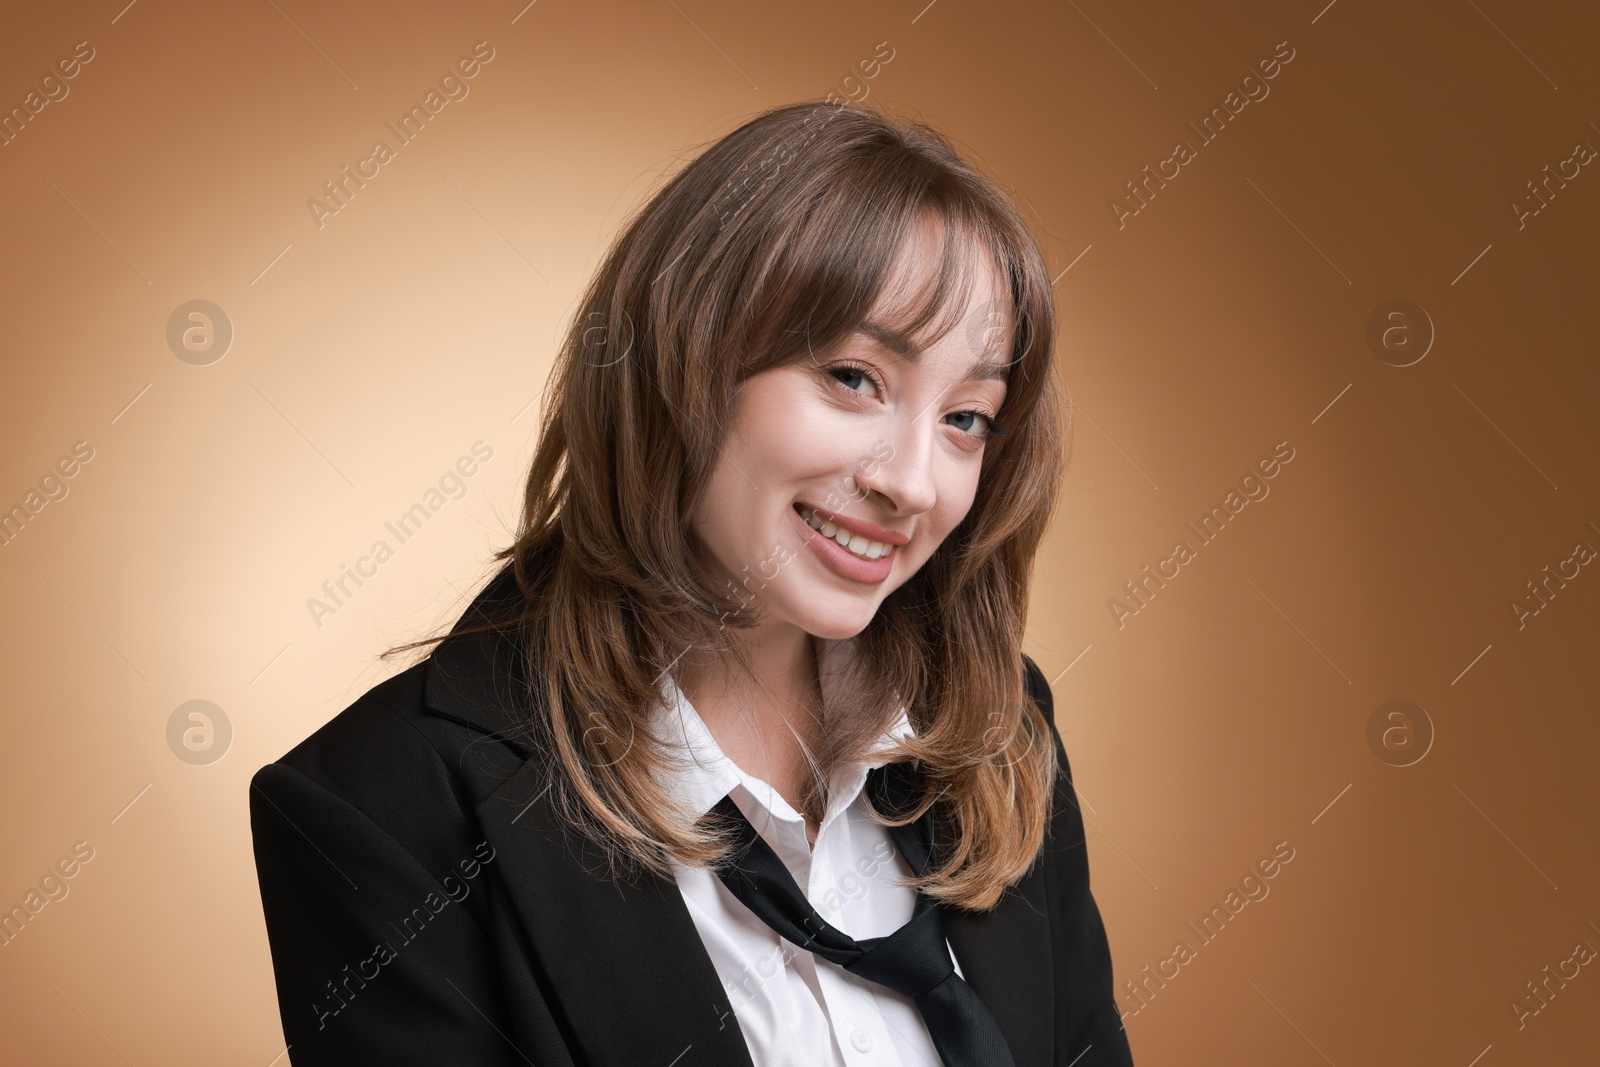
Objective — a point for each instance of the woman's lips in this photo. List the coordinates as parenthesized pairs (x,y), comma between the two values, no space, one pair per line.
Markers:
(870,530)
(841,560)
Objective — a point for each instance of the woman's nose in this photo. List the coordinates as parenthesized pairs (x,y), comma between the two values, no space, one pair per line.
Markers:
(905,476)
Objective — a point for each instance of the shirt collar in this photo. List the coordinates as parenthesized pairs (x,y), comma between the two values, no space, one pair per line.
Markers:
(700,774)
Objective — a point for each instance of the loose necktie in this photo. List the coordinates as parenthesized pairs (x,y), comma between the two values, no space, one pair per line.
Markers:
(913,961)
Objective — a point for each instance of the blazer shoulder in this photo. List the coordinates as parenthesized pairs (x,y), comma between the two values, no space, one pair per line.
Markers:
(1033,680)
(402,767)
(375,737)
(1038,687)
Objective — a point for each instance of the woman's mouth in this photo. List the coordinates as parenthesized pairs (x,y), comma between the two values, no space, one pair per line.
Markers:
(849,555)
(855,544)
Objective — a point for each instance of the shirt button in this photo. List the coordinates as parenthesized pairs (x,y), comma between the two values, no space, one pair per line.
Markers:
(861,1040)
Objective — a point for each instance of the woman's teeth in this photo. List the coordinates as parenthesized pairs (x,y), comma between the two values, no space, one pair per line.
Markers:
(855,543)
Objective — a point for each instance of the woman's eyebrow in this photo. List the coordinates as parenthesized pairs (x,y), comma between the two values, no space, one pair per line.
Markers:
(901,345)
(894,340)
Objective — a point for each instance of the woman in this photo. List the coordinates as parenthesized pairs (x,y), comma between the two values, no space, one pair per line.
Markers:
(737,760)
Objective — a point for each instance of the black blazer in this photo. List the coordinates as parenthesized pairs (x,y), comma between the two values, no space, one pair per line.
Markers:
(424,905)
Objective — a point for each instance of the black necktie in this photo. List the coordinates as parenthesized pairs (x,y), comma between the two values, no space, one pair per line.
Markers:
(913,961)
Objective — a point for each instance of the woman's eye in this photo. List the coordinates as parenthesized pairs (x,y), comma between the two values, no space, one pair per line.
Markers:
(851,377)
(969,420)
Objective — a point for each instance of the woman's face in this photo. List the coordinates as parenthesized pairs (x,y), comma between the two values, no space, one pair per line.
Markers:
(881,447)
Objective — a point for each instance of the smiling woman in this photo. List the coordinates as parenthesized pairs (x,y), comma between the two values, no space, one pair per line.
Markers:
(744,713)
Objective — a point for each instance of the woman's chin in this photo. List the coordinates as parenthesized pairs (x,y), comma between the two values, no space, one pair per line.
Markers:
(841,624)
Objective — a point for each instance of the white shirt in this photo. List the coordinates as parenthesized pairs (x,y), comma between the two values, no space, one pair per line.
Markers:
(795,1009)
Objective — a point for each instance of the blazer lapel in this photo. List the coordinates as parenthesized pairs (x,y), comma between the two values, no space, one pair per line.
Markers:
(1005,958)
(628,976)
(1004,953)
(626,966)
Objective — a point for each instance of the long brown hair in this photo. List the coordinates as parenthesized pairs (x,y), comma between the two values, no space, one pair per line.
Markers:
(769,248)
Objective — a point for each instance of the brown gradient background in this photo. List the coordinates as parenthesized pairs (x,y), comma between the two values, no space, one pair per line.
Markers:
(1228,715)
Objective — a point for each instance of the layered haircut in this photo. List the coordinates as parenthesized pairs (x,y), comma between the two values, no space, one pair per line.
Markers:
(769,248)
